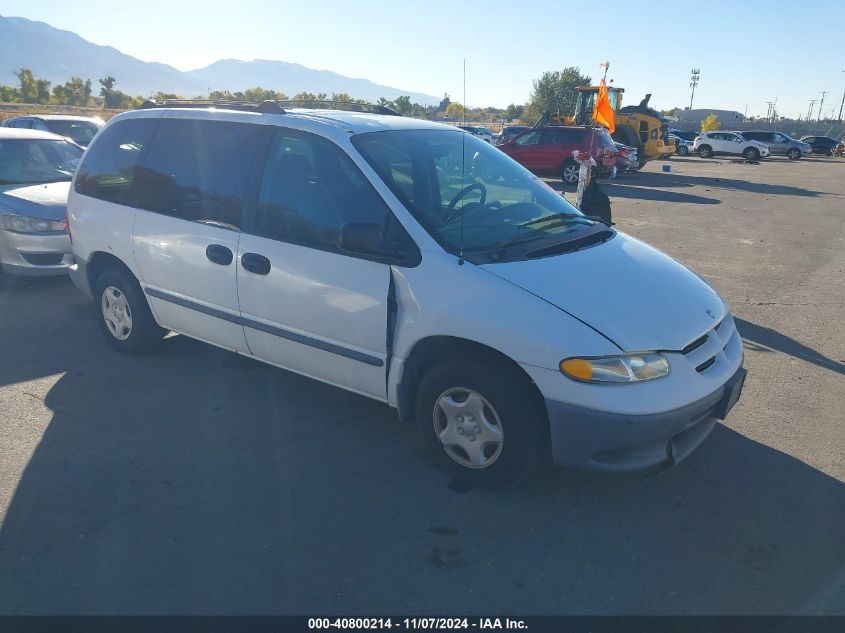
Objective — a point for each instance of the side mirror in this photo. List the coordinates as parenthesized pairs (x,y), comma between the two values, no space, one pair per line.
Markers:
(366,238)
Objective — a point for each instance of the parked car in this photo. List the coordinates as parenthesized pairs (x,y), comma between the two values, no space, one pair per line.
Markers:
(547,150)
(780,143)
(711,143)
(510,131)
(821,144)
(683,146)
(481,132)
(78,129)
(626,158)
(331,244)
(35,173)
(685,134)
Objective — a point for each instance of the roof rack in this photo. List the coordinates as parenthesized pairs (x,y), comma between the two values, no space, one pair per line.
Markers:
(350,106)
(267,107)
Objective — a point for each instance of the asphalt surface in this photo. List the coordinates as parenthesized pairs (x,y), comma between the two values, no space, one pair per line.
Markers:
(194,481)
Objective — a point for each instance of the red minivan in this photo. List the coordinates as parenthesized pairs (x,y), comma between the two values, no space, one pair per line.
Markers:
(547,150)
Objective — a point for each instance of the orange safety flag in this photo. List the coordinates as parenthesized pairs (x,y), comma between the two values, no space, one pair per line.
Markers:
(603,112)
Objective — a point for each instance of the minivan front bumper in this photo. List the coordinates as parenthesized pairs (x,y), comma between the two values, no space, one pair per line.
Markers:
(619,443)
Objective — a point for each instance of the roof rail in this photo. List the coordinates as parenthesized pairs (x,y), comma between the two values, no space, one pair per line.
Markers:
(351,106)
(266,107)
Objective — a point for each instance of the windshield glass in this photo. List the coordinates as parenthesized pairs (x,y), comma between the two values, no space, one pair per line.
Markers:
(440,175)
(78,131)
(32,161)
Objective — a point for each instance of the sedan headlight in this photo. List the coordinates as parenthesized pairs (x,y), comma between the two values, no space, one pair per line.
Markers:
(627,368)
(27,224)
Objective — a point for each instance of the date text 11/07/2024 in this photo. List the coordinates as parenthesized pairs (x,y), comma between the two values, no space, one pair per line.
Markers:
(433,624)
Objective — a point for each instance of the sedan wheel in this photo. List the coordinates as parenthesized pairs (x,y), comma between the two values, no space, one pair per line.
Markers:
(705,152)
(794,154)
(683,150)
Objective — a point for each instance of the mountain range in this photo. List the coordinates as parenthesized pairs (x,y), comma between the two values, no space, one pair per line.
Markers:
(57,55)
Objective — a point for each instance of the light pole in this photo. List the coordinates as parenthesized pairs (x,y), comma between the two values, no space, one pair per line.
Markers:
(841,104)
(693,83)
(823,93)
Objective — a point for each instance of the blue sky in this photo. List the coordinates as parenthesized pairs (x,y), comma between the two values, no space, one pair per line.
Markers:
(748,53)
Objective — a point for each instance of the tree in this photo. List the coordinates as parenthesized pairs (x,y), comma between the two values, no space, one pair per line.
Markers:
(456,110)
(514,112)
(28,85)
(9,93)
(710,123)
(74,92)
(403,105)
(555,93)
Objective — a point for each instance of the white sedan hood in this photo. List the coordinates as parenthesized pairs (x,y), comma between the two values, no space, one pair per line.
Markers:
(46,201)
(635,295)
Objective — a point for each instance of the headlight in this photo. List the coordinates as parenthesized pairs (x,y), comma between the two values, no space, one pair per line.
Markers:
(26,224)
(628,368)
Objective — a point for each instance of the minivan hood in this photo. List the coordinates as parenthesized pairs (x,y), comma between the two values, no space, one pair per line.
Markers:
(638,297)
(46,201)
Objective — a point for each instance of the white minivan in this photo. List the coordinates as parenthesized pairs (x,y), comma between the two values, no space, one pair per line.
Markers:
(409,262)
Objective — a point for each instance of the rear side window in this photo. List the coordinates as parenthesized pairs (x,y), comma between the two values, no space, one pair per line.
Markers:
(110,165)
(198,170)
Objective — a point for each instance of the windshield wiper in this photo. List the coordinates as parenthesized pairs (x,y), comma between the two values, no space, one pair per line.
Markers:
(499,249)
(557,216)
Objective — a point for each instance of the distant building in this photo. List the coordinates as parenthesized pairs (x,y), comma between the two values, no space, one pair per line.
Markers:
(444,103)
(728,118)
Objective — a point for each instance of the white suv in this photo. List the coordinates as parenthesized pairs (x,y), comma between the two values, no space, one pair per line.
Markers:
(362,250)
(712,143)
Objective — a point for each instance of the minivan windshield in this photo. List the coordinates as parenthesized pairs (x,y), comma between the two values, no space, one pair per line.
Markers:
(35,161)
(442,176)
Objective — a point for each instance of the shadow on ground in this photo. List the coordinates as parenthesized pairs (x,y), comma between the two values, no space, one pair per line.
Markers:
(766,340)
(191,481)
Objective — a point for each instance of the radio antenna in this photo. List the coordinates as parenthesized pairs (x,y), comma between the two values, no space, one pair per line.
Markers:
(463,164)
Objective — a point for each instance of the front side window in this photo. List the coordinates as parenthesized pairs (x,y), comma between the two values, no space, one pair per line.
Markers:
(470,196)
(110,166)
(311,189)
(198,170)
(36,161)
(532,138)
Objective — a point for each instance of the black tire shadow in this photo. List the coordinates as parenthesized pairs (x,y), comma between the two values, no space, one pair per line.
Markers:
(191,481)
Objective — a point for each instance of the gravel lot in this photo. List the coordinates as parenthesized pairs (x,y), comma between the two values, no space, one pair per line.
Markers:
(195,481)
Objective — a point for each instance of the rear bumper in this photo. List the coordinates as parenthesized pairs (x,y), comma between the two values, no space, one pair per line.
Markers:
(617,443)
(35,254)
(78,272)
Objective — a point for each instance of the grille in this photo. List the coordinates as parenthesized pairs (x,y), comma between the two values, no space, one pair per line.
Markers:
(694,345)
(703,366)
(43,259)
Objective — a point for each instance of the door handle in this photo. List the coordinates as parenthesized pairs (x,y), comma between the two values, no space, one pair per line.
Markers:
(255,263)
(219,254)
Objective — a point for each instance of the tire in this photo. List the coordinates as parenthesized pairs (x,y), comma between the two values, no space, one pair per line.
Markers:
(131,328)
(683,150)
(705,151)
(454,398)
(569,172)
(751,153)
(793,154)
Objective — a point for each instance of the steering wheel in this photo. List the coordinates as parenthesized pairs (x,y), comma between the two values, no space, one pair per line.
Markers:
(459,196)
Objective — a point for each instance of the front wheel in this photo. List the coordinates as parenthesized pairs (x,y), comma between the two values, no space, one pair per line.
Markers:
(793,154)
(124,314)
(751,154)
(705,151)
(683,150)
(481,422)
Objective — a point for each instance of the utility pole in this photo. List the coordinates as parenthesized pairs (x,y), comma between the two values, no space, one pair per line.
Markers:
(823,93)
(810,111)
(693,83)
(745,114)
(841,104)
(770,110)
